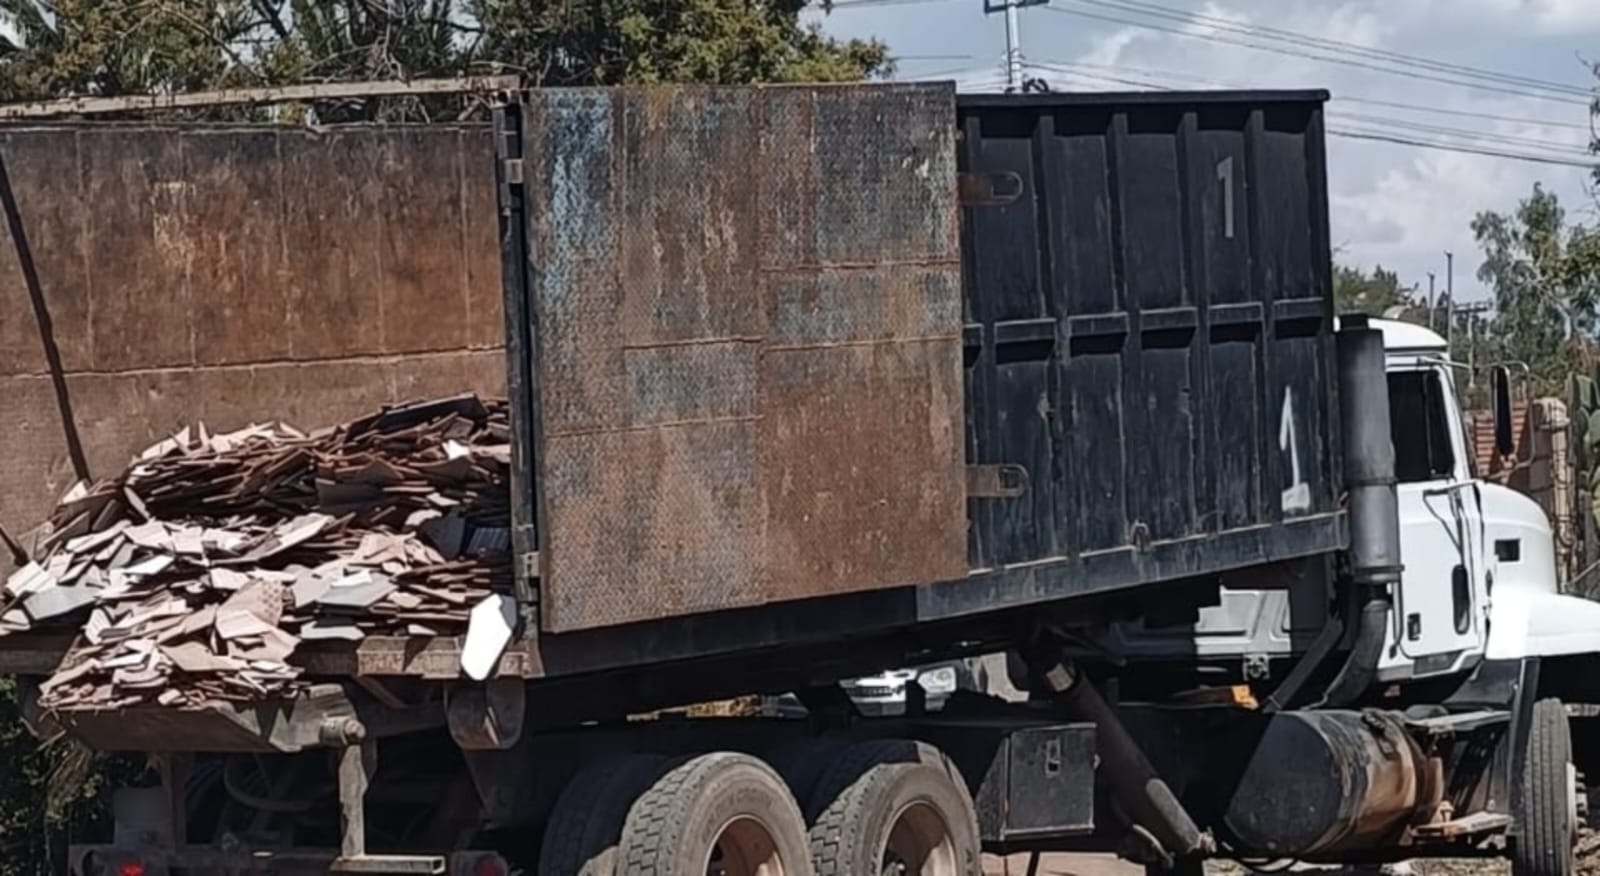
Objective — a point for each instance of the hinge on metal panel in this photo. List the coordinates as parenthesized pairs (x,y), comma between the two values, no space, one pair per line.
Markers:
(530,565)
(1005,481)
(513,171)
(989,189)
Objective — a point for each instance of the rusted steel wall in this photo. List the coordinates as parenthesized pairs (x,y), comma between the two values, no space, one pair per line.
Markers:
(748,325)
(232,274)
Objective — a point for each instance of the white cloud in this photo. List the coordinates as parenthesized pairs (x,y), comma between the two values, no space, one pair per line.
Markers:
(1554,16)
(1109,49)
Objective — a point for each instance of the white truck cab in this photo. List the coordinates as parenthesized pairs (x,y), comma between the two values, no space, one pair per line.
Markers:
(1480,572)
(1480,575)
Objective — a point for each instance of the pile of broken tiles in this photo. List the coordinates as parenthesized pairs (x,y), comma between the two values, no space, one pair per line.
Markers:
(194,576)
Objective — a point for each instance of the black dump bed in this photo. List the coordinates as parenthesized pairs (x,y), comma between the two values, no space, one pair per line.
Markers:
(792,366)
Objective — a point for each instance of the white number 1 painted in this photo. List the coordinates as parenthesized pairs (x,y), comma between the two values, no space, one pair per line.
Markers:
(1297,498)
(1225,176)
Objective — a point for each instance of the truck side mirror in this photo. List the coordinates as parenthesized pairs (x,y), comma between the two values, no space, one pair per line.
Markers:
(1500,378)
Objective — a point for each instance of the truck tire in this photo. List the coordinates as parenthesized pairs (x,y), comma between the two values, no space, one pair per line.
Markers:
(1546,846)
(894,806)
(722,808)
(802,762)
(581,836)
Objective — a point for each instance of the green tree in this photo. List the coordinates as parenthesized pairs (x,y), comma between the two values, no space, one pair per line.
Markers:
(110,47)
(95,47)
(1545,276)
(50,794)
(1356,291)
(644,41)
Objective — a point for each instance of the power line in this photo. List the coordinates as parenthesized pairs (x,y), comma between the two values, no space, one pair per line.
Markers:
(1145,7)
(1358,130)
(1301,54)
(946,74)
(1576,150)
(1492,153)
(1337,98)
(1507,139)
(1468,114)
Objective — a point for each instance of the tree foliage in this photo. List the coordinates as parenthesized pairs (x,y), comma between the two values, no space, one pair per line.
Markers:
(50,794)
(1545,276)
(1375,293)
(112,47)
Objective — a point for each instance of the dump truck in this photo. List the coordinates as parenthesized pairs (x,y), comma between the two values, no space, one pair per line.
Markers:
(808,383)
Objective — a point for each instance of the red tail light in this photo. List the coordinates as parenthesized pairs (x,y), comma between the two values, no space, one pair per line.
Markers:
(489,865)
(131,868)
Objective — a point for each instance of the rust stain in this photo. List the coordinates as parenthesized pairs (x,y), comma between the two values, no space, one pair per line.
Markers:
(749,317)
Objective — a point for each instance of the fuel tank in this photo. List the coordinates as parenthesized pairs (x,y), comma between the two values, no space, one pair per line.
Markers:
(1327,781)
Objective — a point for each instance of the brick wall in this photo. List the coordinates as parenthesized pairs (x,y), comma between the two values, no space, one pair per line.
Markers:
(237,274)
(1540,466)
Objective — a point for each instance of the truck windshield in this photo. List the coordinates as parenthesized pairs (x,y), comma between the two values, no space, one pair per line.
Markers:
(1419,427)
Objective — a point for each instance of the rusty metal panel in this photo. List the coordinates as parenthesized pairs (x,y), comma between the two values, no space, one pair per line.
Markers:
(136,187)
(228,273)
(236,246)
(44,171)
(746,311)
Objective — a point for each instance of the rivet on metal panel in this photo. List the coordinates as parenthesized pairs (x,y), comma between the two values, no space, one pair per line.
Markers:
(990,189)
(1005,481)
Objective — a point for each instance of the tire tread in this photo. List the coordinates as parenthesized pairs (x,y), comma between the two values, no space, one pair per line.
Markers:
(1546,847)
(837,806)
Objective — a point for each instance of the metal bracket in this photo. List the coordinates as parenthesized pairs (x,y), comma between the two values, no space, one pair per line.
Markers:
(357,762)
(513,171)
(989,189)
(488,716)
(1005,481)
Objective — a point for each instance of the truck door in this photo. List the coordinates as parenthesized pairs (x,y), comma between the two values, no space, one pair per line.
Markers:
(1437,623)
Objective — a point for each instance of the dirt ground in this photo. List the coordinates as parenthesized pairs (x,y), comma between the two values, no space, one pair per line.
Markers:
(1109,865)
(1061,865)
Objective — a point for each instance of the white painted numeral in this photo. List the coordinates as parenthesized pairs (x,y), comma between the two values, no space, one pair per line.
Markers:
(1225,176)
(1297,498)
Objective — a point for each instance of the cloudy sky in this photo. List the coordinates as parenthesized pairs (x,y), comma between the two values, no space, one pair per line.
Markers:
(1395,205)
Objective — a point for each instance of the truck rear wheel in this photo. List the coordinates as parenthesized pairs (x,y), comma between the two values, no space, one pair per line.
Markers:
(1548,810)
(894,807)
(722,813)
(581,837)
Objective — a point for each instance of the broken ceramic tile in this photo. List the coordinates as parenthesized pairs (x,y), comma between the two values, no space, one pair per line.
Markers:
(94,541)
(29,579)
(151,534)
(446,534)
(359,596)
(196,657)
(227,579)
(324,630)
(58,600)
(154,564)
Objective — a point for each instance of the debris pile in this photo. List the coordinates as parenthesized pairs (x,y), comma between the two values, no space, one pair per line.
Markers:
(195,574)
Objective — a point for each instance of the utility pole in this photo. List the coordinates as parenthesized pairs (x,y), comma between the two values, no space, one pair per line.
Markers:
(1014,83)
(1013,50)
(1450,298)
(1430,300)
(1473,313)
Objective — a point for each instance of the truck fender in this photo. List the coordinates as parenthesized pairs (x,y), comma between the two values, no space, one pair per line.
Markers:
(1525,623)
